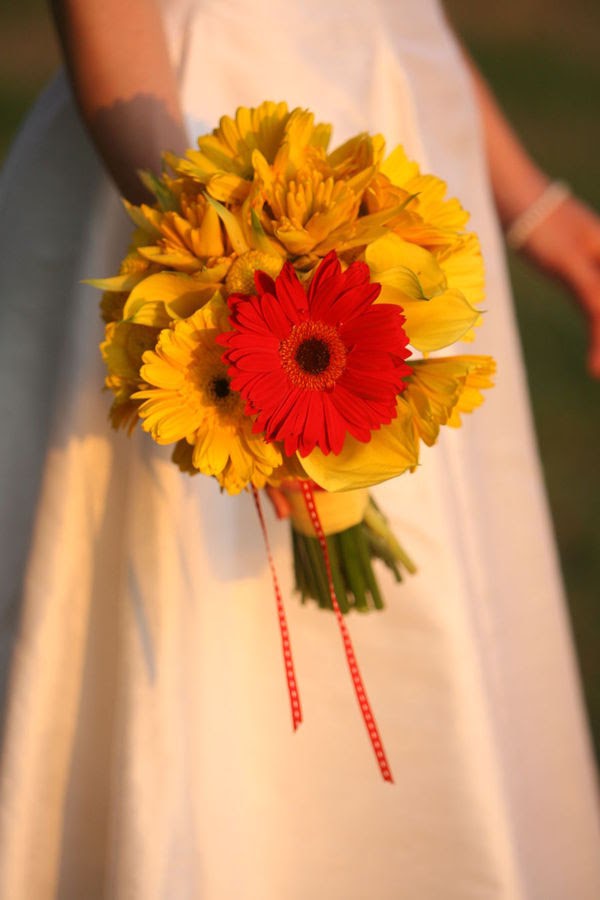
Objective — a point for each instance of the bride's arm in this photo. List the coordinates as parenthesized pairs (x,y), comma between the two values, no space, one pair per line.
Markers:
(565,243)
(117,58)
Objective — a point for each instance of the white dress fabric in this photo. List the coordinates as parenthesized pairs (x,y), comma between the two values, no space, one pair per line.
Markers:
(147,749)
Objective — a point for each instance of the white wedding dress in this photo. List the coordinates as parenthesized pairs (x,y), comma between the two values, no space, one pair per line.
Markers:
(148,750)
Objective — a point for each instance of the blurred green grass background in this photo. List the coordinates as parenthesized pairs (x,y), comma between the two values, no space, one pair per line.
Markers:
(543,63)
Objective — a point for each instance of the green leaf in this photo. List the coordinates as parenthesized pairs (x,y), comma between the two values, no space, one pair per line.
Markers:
(232,226)
(165,198)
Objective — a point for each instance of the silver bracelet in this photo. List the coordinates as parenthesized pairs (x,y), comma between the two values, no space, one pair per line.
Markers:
(525,223)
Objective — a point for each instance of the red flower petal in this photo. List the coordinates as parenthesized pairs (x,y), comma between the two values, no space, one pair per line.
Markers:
(264,283)
(290,294)
(335,296)
(315,367)
(275,318)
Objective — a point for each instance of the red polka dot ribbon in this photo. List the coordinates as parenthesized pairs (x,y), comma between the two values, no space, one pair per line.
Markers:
(361,694)
(283,628)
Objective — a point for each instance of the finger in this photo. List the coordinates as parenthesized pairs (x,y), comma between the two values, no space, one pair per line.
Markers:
(590,232)
(589,297)
(279,501)
(594,245)
(584,281)
(593,359)
(583,224)
(585,284)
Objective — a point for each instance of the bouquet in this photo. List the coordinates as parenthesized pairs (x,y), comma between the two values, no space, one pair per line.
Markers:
(273,321)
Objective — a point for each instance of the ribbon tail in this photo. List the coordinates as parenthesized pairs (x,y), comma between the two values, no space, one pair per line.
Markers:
(361,694)
(295,706)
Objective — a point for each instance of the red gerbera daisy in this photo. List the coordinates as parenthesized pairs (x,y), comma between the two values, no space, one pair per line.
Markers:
(314,366)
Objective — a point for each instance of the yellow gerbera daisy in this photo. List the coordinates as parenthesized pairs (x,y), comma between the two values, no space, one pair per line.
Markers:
(190,398)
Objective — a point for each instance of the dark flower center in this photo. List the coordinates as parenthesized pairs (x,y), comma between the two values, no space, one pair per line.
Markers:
(220,388)
(313,355)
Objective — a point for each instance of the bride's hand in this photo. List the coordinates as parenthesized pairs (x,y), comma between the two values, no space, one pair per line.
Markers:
(566,245)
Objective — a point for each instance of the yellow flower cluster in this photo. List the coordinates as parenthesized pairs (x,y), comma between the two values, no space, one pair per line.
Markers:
(262,189)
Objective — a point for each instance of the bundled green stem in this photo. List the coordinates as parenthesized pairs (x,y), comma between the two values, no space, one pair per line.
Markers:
(351,553)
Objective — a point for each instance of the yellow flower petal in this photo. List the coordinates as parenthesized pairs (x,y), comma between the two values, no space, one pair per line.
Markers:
(144,217)
(188,397)
(359,232)
(160,298)
(228,187)
(408,272)
(232,226)
(439,389)
(463,267)
(180,259)
(209,237)
(479,377)
(433,206)
(432,393)
(398,167)
(118,283)
(212,447)
(405,268)
(436,323)
(123,348)
(392,450)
